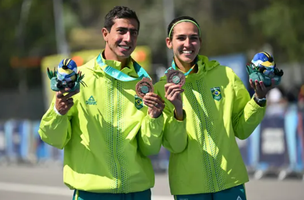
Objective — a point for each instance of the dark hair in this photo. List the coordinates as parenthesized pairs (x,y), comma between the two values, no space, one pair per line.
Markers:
(119,12)
(176,20)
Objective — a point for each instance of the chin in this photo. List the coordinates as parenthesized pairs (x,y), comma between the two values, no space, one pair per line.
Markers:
(124,55)
(188,60)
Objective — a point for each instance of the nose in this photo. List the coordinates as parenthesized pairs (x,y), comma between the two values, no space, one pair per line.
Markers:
(127,36)
(187,42)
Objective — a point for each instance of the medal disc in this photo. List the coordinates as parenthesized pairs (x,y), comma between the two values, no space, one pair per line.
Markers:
(143,87)
(176,77)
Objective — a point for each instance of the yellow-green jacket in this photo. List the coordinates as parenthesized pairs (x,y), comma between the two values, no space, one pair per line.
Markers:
(107,134)
(218,109)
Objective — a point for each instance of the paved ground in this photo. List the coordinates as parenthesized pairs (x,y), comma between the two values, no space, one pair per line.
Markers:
(45,183)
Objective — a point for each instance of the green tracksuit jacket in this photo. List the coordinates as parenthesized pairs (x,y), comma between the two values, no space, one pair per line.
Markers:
(218,109)
(107,134)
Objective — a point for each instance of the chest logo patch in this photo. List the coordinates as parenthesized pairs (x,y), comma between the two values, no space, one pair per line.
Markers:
(138,102)
(216,93)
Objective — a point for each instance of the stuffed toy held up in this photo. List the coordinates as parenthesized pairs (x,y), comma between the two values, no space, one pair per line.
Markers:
(263,68)
(66,76)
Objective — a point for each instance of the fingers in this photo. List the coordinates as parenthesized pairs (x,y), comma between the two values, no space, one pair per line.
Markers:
(260,89)
(259,85)
(251,84)
(172,94)
(64,101)
(152,100)
(173,91)
(171,86)
(62,94)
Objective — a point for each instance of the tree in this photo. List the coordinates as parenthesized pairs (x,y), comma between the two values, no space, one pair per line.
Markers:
(282,23)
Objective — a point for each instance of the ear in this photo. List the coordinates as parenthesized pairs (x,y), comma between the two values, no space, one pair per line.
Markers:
(169,43)
(105,34)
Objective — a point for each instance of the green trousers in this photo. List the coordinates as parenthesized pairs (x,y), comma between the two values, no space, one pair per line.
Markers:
(83,195)
(234,193)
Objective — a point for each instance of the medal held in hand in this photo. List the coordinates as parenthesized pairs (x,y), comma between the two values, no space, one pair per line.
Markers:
(66,76)
(175,76)
(143,87)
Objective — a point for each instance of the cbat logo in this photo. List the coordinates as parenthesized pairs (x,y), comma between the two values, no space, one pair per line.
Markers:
(216,93)
(138,102)
(91,101)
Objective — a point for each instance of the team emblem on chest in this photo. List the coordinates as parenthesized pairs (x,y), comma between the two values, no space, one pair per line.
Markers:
(216,93)
(138,102)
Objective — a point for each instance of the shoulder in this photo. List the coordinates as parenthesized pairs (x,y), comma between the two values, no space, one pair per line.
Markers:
(162,81)
(223,70)
(159,86)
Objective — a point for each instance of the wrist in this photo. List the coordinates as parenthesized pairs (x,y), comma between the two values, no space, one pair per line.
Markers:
(179,114)
(56,111)
(260,101)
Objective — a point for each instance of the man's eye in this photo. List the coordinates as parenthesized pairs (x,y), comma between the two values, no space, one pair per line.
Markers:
(194,38)
(121,31)
(181,38)
(134,32)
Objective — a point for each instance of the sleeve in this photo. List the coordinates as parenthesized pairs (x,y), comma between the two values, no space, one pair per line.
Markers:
(55,129)
(247,114)
(150,137)
(175,134)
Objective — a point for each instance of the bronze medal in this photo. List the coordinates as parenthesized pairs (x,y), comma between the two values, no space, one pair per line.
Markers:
(143,87)
(176,77)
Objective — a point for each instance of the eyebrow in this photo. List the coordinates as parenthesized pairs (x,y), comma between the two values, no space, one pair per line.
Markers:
(124,28)
(187,35)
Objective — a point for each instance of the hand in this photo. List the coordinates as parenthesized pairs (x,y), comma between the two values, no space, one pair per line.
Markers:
(260,89)
(64,102)
(173,94)
(155,104)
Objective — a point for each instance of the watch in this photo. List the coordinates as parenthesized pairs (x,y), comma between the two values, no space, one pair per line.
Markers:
(261,101)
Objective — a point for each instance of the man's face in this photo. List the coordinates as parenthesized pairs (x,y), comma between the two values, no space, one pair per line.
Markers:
(121,40)
(185,42)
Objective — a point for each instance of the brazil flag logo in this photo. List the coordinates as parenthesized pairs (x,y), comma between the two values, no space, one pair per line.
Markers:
(138,102)
(216,93)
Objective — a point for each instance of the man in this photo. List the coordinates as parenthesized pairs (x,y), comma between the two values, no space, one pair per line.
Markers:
(105,130)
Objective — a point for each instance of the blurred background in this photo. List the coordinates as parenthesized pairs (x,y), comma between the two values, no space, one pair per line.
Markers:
(37,34)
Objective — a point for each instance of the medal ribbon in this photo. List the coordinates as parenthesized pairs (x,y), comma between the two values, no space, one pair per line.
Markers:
(115,73)
(188,72)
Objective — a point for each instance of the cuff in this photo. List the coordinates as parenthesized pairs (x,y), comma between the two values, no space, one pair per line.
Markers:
(255,105)
(56,111)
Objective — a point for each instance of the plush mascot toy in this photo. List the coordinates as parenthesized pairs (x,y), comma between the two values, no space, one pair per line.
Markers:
(66,76)
(263,68)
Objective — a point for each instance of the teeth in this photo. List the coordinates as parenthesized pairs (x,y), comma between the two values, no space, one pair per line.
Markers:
(125,47)
(187,52)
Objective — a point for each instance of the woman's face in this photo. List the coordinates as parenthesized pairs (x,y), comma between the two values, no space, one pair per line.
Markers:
(185,42)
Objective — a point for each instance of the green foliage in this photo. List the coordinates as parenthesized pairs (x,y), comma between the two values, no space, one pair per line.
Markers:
(282,23)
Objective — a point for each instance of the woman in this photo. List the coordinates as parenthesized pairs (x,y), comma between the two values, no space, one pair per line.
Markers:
(218,108)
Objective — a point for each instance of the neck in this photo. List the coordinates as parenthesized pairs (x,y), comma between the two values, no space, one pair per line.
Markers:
(185,67)
(108,55)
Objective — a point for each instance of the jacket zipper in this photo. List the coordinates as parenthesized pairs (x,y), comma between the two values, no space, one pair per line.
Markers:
(115,134)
